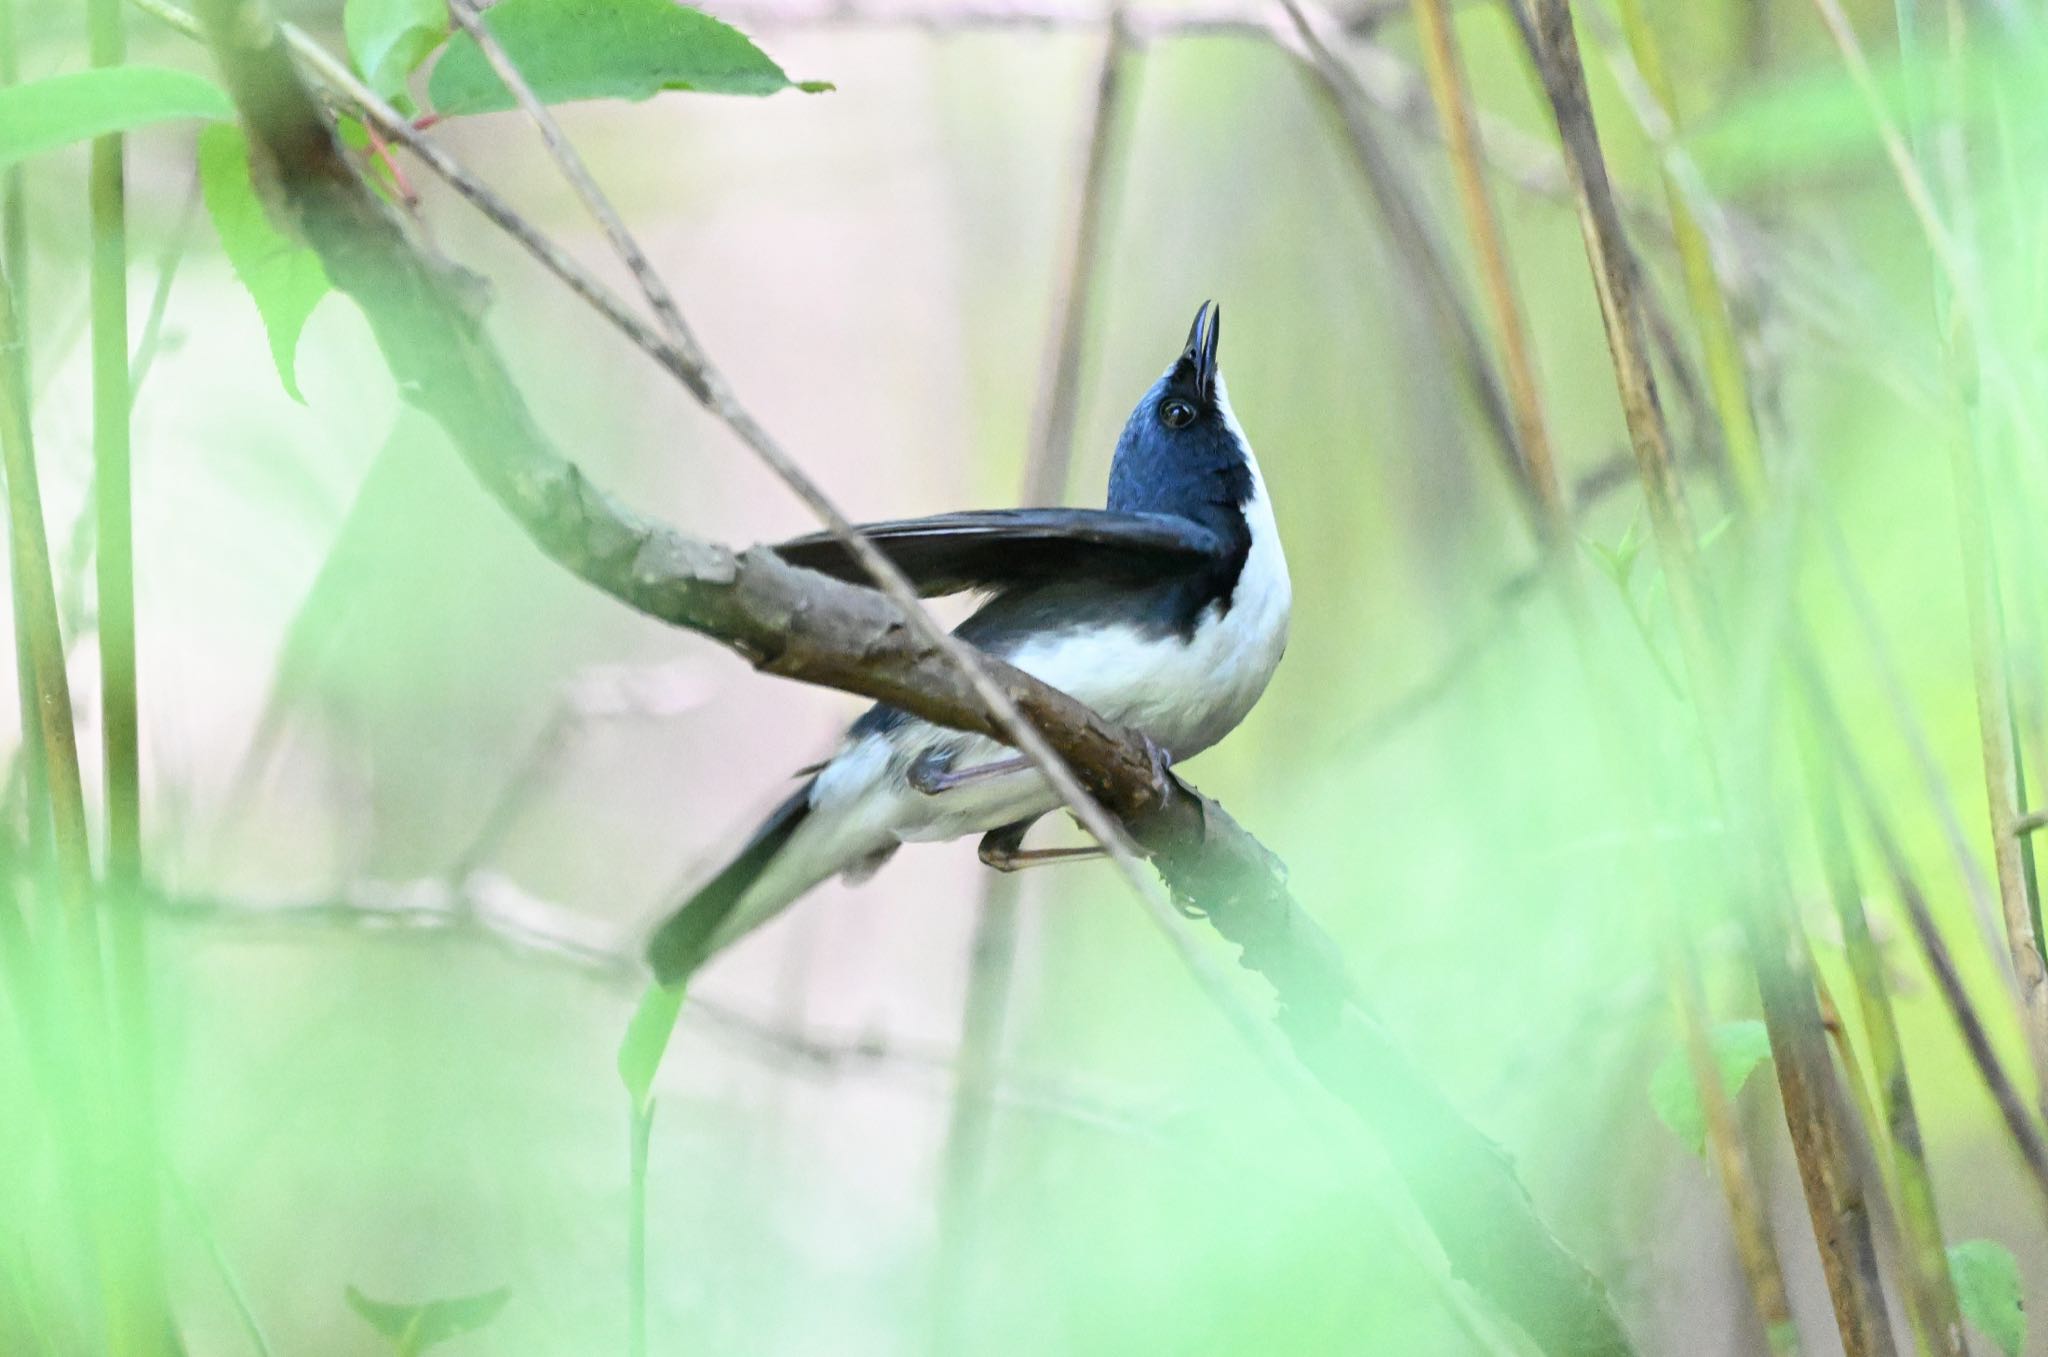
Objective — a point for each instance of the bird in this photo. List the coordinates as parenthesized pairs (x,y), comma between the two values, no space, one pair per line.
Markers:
(1166,611)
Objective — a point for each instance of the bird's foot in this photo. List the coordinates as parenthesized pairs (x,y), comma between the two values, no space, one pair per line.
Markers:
(933,773)
(1003,849)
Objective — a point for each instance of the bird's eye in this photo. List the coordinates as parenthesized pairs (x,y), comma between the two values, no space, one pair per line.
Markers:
(1177,414)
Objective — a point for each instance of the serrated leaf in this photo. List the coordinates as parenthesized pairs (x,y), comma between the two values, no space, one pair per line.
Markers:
(413,1327)
(604,49)
(646,1039)
(283,276)
(388,39)
(61,109)
(1987,1279)
(1739,1047)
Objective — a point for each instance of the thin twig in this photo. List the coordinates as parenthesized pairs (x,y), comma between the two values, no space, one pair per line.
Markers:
(39,640)
(127,956)
(709,386)
(1930,1290)
(150,343)
(2012,1107)
(992,954)
(1425,255)
(1461,134)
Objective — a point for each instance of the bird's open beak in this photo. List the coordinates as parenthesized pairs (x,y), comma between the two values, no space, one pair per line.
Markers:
(1201,350)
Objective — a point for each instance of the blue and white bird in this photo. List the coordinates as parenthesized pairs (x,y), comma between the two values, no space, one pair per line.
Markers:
(1165,612)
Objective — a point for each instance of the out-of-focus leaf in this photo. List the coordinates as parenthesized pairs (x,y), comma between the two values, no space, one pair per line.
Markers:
(604,49)
(60,109)
(1618,562)
(1987,1280)
(388,39)
(646,1039)
(412,1328)
(1739,1047)
(283,276)
(1807,123)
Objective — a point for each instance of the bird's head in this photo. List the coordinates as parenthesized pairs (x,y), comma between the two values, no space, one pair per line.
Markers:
(1182,446)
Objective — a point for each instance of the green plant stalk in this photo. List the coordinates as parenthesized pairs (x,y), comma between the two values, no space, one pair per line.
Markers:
(14,179)
(1932,1305)
(1448,88)
(132,1098)
(87,1098)
(1755,1247)
(127,953)
(24,980)
(1719,348)
(1960,314)
(1835,1196)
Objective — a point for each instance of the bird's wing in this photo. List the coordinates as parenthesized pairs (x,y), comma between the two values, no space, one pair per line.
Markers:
(1001,548)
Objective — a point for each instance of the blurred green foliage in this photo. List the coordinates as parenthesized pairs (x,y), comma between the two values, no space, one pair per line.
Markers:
(425,1113)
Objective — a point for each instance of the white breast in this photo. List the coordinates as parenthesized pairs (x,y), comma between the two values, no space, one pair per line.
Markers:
(1186,692)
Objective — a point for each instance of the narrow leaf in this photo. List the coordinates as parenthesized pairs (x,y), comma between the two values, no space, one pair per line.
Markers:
(388,39)
(283,276)
(413,1327)
(1988,1287)
(45,114)
(1739,1047)
(604,49)
(645,1040)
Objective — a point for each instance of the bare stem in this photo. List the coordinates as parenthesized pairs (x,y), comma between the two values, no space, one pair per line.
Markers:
(992,955)
(39,638)
(1461,134)
(1930,1288)
(127,953)
(2012,1107)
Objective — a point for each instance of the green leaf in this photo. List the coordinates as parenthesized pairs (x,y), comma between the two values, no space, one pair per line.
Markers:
(388,39)
(1739,1047)
(45,114)
(282,275)
(412,1328)
(1618,562)
(1988,1288)
(604,49)
(646,1039)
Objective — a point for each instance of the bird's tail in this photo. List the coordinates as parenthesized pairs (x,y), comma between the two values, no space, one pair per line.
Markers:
(709,918)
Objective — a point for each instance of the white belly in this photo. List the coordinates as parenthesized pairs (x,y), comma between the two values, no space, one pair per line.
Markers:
(1185,692)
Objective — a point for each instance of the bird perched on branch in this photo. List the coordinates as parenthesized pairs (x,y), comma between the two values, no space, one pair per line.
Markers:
(1165,612)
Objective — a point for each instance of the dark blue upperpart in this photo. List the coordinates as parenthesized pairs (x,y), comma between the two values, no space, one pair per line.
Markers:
(1177,455)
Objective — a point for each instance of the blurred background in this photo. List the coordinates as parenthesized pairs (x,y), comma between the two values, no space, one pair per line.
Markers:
(412,794)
